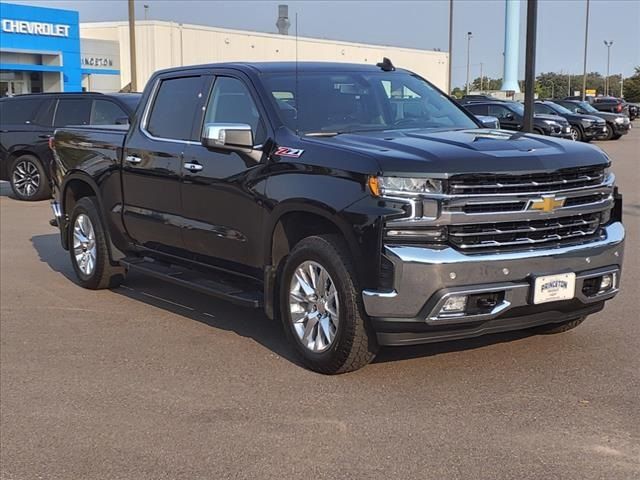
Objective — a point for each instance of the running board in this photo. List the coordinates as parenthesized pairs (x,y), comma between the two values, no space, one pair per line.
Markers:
(220,285)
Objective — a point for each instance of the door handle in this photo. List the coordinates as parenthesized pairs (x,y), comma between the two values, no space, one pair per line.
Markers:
(133,159)
(193,166)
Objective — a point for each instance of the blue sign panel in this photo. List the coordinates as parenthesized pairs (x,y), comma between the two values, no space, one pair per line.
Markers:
(50,32)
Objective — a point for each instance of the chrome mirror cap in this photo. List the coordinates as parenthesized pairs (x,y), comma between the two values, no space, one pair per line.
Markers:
(229,136)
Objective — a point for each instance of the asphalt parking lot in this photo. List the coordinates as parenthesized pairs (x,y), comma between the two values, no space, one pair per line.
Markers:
(150,381)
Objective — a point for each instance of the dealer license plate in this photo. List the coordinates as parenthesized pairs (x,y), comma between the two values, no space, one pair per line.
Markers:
(552,288)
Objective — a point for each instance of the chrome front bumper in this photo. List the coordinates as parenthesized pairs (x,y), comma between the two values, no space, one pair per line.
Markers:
(424,277)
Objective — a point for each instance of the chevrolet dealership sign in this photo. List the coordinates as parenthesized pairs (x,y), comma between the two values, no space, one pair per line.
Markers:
(35,28)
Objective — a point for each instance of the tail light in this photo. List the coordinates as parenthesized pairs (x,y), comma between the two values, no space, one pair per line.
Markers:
(52,143)
(619,108)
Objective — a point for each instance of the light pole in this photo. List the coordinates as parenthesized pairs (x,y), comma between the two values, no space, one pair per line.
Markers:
(606,84)
(621,85)
(469,35)
(132,45)
(586,39)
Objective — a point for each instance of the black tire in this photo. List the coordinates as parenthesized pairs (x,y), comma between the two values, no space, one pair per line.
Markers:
(103,275)
(576,134)
(616,137)
(609,134)
(354,344)
(560,327)
(28,179)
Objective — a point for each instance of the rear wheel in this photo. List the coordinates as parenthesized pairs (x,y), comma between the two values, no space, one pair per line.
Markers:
(88,248)
(560,328)
(28,179)
(321,307)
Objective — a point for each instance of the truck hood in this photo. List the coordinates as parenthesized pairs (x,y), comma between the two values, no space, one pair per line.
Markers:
(446,153)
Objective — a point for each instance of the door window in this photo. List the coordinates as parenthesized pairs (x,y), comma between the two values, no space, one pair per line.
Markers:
(174,107)
(105,112)
(477,109)
(19,111)
(231,102)
(73,111)
(500,112)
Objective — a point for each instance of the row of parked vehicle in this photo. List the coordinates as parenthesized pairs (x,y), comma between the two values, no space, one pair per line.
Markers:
(28,121)
(569,118)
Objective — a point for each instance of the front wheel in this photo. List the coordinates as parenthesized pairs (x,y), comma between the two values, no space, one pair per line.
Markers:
(321,307)
(609,134)
(576,134)
(88,248)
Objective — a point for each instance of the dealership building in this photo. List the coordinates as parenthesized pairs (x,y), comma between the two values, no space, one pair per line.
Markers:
(46,50)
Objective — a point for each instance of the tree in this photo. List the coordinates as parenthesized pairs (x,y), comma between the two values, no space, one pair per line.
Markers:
(632,87)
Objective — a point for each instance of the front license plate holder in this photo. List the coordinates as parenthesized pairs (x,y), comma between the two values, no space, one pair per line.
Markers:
(554,288)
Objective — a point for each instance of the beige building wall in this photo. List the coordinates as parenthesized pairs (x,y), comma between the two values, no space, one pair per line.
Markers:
(166,44)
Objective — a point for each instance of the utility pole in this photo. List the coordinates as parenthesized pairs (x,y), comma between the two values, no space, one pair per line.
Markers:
(481,83)
(469,35)
(132,45)
(586,41)
(450,84)
(606,83)
(146,11)
(621,85)
(569,89)
(530,64)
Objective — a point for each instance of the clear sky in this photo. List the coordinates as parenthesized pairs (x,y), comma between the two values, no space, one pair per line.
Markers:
(416,24)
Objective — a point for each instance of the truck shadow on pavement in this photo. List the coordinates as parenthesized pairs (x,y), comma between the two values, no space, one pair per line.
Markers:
(244,322)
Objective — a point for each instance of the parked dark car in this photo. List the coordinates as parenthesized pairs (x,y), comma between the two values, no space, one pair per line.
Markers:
(511,117)
(605,104)
(479,98)
(357,205)
(27,122)
(584,128)
(634,110)
(617,124)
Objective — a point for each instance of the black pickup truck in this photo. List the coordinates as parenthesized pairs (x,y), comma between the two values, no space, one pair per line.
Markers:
(357,204)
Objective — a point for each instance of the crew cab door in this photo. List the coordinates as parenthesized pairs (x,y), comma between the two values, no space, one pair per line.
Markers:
(152,163)
(221,189)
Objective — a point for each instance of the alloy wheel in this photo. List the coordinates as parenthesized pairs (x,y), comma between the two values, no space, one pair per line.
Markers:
(84,244)
(314,306)
(26,178)
(575,135)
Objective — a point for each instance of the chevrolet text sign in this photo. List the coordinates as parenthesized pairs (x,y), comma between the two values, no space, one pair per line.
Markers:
(35,28)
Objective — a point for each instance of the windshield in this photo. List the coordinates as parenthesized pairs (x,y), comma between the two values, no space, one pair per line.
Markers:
(588,107)
(559,108)
(341,102)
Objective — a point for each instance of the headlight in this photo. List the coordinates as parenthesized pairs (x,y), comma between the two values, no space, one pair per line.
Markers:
(587,122)
(551,123)
(381,186)
(619,120)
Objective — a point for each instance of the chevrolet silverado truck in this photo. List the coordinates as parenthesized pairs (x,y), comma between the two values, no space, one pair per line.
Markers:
(357,204)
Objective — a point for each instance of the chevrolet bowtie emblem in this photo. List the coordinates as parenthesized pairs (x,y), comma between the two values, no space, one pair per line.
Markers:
(547,203)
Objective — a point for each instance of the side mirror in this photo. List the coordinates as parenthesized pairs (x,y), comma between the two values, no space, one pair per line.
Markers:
(488,121)
(509,116)
(227,136)
(122,121)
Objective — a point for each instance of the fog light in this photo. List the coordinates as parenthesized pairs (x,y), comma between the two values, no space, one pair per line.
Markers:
(607,282)
(454,304)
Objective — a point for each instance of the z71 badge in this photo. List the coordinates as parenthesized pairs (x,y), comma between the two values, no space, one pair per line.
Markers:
(289,152)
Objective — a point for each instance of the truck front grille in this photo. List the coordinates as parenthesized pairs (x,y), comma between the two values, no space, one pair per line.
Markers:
(514,212)
(537,182)
(525,233)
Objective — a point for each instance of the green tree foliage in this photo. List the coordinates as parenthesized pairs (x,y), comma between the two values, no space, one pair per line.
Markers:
(632,86)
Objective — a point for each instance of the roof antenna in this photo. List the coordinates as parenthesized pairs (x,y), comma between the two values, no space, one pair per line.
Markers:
(386,65)
(297,97)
